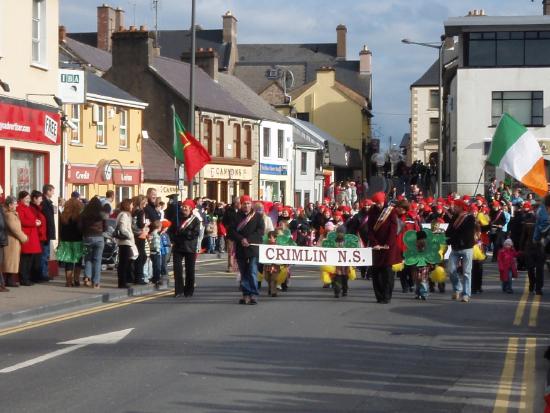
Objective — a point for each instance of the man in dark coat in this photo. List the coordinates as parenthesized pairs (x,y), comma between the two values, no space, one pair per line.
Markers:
(382,234)
(48,211)
(248,229)
(229,220)
(150,209)
(357,225)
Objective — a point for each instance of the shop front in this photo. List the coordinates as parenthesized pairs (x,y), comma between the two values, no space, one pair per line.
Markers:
(274,183)
(223,182)
(30,137)
(92,180)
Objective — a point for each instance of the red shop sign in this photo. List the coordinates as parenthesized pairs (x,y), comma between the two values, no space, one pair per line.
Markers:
(81,174)
(92,174)
(31,125)
(127,177)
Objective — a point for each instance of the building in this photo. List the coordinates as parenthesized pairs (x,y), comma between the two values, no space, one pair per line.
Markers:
(102,149)
(30,128)
(424,132)
(502,66)
(308,176)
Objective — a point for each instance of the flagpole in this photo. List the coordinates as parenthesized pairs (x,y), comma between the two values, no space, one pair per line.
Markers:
(176,169)
(192,88)
(479,180)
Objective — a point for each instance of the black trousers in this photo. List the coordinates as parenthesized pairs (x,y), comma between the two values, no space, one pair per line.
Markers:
(405,277)
(124,269)
(340,284)
(29,267)
(535,268)
(188,287)
(382,283)
(139,263)
(477,275)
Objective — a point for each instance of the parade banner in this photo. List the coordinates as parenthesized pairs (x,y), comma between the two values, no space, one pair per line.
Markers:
(315,256)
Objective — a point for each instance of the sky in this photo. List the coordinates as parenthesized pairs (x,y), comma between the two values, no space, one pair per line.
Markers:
(380,24)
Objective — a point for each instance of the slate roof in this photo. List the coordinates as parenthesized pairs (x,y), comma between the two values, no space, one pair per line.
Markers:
(250,99)
(430,78)
(405,141)
(287,53)
(100,59)
(158,165)
(99,86)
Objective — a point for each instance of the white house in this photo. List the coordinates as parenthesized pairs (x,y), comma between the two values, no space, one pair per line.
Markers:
(503,65)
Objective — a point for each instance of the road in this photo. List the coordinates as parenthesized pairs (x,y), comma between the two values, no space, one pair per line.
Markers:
(301,352)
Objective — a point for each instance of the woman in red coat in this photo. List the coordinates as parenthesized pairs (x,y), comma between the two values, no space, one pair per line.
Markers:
(30,250)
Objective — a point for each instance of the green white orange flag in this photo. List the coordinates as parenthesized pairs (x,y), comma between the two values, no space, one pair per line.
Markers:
(516,151)
(188,149)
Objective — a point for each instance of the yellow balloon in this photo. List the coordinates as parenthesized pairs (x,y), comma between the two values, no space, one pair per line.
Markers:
(438,275)
(398,267)
(478,253)
(352,274)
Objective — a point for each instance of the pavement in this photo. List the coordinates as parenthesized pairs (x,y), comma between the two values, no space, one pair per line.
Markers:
(301,352)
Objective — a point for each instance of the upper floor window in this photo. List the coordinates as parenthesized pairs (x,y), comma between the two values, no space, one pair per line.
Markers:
(303,163)
(281,144)
(123,129)
(526,107)
(219,139)
(39,31)
(512,49)
(303,116)
(100,126)
(247,147)
(207,135)
(434,99)
(434,128)
(236,140)
(75,119)
(267,142)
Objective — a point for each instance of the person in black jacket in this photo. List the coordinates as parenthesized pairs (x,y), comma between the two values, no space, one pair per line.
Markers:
(229,220)
(248,229)
(461,237)
(3,243)
(48,211)
(357,225)
(150,209)
(185,238)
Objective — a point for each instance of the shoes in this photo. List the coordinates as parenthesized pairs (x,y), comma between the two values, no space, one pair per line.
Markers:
(4,289)
(178,295)
(538,292)
(274,294)
(336,295)
(124,286)
(423,298)
(465,299)
(26,283)
(141,283)
(96,286)
(252,301)
(241,301)
(345,294)
(455,296)
(510,291)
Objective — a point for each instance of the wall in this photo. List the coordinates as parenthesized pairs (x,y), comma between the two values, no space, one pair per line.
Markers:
(421,113)
(307,181)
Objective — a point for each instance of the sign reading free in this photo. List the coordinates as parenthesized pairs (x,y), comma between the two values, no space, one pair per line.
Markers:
(27,124)
(72,86)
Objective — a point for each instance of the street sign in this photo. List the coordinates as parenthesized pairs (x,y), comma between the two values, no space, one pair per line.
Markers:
(72,86)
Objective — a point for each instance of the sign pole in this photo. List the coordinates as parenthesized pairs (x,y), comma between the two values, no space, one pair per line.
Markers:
(192,88)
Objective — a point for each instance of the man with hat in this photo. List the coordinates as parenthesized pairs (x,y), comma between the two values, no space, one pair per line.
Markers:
(247,231)
(357,225)
(461,238)
(382,233)
(498,220)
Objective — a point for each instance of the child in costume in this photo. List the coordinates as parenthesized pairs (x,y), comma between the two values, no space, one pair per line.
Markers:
(436,229)
(477,263)
(421,273)
(340,279)
(507,265)
(271,271)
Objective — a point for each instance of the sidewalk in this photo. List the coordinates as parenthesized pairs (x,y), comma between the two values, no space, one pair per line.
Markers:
(25,303)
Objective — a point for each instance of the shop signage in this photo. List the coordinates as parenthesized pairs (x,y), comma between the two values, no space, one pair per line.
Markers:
(71,87)
(272,169)
(225,172)
(92,174)
(31,125)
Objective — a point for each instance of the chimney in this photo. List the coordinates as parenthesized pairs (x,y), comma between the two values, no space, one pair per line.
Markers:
(546,7)
(132,47)
(365,61)
(119,18)
(341,33)
(62,34)
(207,60)
(106,25)
(229,28)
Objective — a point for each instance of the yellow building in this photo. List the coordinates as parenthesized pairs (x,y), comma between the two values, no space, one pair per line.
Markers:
(102,146)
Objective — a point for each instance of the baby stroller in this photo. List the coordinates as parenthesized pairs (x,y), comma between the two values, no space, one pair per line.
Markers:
(109,259)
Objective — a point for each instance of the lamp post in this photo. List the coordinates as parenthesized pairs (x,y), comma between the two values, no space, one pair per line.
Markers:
(437,45)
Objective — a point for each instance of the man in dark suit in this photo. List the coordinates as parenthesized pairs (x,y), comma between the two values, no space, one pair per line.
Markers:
(48,210)
(229,220)
(247,229)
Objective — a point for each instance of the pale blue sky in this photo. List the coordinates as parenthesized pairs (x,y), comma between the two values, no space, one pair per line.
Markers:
(380,24)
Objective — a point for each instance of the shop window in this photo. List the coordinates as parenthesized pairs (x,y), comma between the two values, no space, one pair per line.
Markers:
(247,150)
(122,193)
(82,190)
(236,141)
(27,170)
(39,32)
(267,142)
(75,119)
(303,163)
(207,135)
(280,144)
(219,139)
(100,126)
(123,129)
(526,107)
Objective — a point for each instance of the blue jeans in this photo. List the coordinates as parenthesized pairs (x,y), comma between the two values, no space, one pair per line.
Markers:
(44,259)
(248,267)
(94,252)
(464,287)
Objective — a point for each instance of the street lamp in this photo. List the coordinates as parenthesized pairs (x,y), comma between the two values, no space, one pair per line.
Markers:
(437,45)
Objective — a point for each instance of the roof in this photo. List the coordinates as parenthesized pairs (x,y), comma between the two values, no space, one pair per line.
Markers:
(100,59)
(456,25)
(209,94)
(98,86)
(158,165)
(405,141)
(250,99)
(287,53)
(430,78)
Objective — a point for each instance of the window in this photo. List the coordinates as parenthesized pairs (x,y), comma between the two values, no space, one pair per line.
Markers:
(298,198)
(75,119)
(434,99)
(502,49)
(247,150)
(434,128)
(303,116)
(236,141)
(267,142)
(307,197)
(303,163)
(100,126)
(526,107)
(281,144)
(219,139)
(82,190)
(27,170)
(486,148)
(207,135)
(39,31)
(123,129)
(122,193)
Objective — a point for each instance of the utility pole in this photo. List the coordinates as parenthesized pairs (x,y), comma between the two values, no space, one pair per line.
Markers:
(192,87)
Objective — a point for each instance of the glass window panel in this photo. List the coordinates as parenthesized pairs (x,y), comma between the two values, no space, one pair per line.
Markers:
(517,95)
(475,36)
(489,35)
(537,52)
(531,35)
(538,95)
(503,35)
(497,95)
(517,35)
(497,108)
(510,53)
(538,120)
(538,108)
(267,142)
(482,53)
(519,109)
(544,35)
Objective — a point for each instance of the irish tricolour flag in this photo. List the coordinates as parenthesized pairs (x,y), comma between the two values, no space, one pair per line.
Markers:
(516,151)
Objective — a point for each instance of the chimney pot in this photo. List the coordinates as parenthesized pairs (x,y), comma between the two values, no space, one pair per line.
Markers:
(143,28)
(229,28)
(132,28)
(365,61)
(62,34)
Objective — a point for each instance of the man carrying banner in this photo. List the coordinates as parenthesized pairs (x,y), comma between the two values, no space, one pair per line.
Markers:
(357,225)
(248,229)
(382,233)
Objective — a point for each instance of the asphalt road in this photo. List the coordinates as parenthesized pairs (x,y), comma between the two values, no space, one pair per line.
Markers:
(301,352)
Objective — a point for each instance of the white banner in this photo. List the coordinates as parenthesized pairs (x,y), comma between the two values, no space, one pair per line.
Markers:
(441,226)
(316,256)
